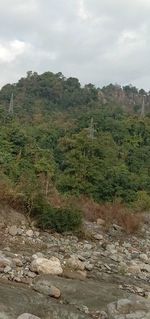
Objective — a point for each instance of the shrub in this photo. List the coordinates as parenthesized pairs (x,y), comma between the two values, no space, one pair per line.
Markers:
(58,219)
(143,201)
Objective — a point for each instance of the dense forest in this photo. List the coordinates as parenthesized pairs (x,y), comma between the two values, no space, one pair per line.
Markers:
(59,139)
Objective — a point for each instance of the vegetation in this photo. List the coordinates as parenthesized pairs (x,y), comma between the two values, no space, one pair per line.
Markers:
(61,140)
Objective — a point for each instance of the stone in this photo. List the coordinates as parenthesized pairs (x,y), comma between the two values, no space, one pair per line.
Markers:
(124,306)
(74,263)
(37,233)
(4,262)
(7,269)
(88,266)
(145,267)
(100,222)
(134,269)
(98,237)
(27,316)
(136,315)
(37,255)
(13,230)
(19,231)
(117,227)
(45,287)
(29,233)
(31,274)
(18,262)
(88,246)
(46,266)
(73,274)
(144,257)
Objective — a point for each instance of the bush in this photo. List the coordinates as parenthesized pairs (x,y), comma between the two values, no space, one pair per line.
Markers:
(58,219)
(143,201)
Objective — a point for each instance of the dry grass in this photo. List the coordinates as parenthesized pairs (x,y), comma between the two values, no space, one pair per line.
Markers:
(112,213)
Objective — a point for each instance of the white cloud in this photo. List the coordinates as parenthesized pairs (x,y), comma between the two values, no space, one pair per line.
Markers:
(11,50)
(99,41)
(83,13)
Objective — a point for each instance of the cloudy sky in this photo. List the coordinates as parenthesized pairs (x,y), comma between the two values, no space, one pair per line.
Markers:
(98,41)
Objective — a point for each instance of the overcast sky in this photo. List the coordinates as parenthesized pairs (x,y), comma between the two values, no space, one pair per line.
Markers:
(98,41)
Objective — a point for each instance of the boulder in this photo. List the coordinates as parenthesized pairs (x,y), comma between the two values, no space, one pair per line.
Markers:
(46,266)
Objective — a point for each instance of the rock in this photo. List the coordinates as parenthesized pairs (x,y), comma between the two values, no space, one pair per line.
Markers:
(144,257)
(46,266)
(29,233)
(18,262)
(45,287)
(100,222)
(88,266)
(19,231)
(37,255)
(27,316)
(13,230)
(31,274)
(71,274)
(7,269)
(37,233)
(145,267)
(74,263)
(88,246)
(117,227)
(124,306)
(133,308)
(4,262)
(102,315)
(134,268)
(98,237)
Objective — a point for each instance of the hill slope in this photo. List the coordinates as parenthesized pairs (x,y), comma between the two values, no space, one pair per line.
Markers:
(57,137)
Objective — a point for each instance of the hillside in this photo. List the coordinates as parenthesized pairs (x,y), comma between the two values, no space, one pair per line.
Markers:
(59,139)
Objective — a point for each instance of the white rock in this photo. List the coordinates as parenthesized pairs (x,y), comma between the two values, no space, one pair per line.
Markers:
(46,266)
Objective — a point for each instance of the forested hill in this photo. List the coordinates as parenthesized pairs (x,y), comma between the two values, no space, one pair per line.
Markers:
(57,137)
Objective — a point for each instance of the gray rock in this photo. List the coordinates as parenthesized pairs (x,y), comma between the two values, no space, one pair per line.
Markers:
(4,262)
(27,316)
(124,306)
(29,233)
(45,287)
(7,269)
(74,263)
(13,230)
(98,237)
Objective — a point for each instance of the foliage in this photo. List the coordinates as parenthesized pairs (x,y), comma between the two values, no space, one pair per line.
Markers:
(58,219)
(142,202)
(81,141)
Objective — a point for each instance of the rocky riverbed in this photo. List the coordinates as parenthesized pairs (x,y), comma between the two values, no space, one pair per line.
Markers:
(61,276)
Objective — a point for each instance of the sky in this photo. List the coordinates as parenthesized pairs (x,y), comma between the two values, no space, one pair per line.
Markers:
(97,41)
